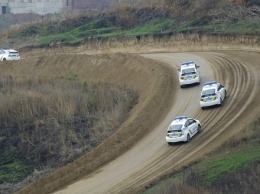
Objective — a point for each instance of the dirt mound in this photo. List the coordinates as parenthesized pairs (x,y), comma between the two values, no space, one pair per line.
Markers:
(152,80)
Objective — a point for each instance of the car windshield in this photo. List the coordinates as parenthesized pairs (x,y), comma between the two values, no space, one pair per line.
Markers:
(209,92)
(174,128)
(188,71)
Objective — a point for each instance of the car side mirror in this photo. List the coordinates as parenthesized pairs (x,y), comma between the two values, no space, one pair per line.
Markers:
(198,66)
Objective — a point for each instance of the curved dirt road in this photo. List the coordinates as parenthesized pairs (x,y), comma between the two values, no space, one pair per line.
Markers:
(151,157)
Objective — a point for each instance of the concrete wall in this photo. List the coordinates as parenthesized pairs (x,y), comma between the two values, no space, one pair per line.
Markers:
(35,6)
(50,6)
(3,3)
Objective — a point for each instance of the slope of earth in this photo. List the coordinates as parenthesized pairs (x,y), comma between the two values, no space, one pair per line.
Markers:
(150,79)
(152,157)
(143,162)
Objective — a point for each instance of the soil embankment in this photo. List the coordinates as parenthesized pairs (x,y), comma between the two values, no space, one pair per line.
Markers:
(142,162)
(153,82)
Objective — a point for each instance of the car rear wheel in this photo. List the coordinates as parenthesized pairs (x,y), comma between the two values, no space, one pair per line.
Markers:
(188,138)
(199,128)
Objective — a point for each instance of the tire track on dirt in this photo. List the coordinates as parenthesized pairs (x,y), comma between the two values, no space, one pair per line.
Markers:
(217,121)
(151,158)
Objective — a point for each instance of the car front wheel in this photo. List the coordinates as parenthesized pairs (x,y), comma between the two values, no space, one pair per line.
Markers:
(188,138)
(220,101)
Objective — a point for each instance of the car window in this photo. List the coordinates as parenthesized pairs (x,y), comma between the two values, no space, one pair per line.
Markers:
(187,123)
(188,71)
(191,121)
(208,92)
(174,128)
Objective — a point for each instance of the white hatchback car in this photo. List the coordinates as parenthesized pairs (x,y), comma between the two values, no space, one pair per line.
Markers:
(7,54)
(212,93)
(189,73)
(181,129)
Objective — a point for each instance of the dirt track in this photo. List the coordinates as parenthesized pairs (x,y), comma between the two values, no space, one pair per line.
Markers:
(142,161)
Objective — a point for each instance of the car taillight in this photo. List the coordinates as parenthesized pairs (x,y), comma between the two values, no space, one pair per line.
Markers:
(215,97)
(203,99)
(184,78)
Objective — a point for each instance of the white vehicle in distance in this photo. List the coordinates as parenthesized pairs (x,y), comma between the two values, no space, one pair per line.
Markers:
(212,93)
(182,129)
(189,74)
(7,54)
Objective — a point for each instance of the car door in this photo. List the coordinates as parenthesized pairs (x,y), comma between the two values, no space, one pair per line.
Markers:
(192,126)
(222,91)
(197,70)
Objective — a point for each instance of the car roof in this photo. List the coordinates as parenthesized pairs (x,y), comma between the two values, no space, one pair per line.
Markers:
(8,49)
(187,64)
(179,120)
(210,85)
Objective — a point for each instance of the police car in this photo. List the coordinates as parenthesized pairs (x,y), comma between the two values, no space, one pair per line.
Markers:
(212,93)
(182,129)
(7,54)
(189,74)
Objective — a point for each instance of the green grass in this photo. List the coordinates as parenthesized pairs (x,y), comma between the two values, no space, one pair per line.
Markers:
(213,168)
(80,33)
(231,27)
(75,35)
(13,170)
(98,28)
(152,27)
(2,138)
(242,27)
(233,162)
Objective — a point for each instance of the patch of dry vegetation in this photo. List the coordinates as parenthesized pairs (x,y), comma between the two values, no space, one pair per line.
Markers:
(45,123)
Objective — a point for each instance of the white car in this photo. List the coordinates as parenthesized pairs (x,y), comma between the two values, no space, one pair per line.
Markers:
(189,73)
(182,129)
(212,93)
(7,54)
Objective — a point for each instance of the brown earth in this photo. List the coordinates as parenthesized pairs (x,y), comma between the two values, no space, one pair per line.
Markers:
(137,154)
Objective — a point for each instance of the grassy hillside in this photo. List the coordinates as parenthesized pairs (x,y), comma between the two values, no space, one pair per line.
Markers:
(158,17)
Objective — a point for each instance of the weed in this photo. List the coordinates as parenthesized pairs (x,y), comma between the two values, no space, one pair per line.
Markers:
(50,122)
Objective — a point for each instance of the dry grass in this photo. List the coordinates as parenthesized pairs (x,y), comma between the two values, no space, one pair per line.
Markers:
(49,122)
